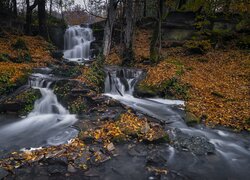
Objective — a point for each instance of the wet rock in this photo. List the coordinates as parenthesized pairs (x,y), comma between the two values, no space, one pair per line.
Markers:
(3,173)
(92,173)
(137,150)
(111,147)
(197,144)
(71,168)
(55,153)
(99,157)
(191,119)
(20,102)
(83,159)
(57,160)
(156,158)
(57,54)
(54,169)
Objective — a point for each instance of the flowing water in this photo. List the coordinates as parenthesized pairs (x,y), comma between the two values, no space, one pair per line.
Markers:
(48,123)
(77,42)
(231,159)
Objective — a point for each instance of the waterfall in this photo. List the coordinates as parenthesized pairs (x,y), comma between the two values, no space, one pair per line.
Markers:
(47,124)
(232,151)
(121,81)
(77,42)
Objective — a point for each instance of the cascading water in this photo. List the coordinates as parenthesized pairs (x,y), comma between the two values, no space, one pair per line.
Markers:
(77,42)
(48,123)
(232,151)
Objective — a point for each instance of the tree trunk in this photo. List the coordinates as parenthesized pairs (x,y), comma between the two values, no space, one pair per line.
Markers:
(14,7)
(155,44)
(145,8)
(128,55)
(181,3)
(50,7)
(29,10)
(108,30)
(42,19)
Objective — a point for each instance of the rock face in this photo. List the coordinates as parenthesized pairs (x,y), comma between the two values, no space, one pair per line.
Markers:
(56,36)
(20,102)
(196,144)
(178,26)
(3,173)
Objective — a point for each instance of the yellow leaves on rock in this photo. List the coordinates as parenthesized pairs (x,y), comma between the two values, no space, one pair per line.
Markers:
(129,125)
(75,147)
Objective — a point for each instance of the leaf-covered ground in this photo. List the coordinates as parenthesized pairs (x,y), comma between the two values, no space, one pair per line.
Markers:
(218,82)
(18,55)
(81,154)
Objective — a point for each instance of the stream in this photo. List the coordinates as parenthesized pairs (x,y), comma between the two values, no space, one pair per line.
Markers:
(195,152)
(48,123)
(231,158)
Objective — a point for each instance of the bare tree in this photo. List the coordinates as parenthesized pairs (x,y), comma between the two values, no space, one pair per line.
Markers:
(108,30)
(29,9)
(128,37)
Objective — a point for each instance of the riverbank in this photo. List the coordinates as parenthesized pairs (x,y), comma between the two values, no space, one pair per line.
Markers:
(214,85)
(18,55)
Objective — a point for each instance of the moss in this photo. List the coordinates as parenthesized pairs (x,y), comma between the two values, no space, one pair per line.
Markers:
(173,88)
(191,119)
(96,74)
(244,42)
(7,85)
(198,47)
(28,98)
(4,57)
(78,106)
(247,121)
(19,44)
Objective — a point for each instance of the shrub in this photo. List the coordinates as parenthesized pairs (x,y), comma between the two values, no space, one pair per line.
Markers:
(4,57)
(198,47)
(19,44)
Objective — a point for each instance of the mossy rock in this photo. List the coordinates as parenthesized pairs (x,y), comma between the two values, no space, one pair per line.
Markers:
(67,71)
(172,89)
(72,95)
(143,90)
(21,103)
(191,119)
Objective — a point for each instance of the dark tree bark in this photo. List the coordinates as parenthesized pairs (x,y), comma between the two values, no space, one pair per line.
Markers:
(155,44)
(144,8)
(29,10)
(181,3)
(128,55)
(42,19)
(14,7)
(50,7)
(108,30)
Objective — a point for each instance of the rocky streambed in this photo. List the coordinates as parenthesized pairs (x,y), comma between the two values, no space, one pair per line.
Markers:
(175,152)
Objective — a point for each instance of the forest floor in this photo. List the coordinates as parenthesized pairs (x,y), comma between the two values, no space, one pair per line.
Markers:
(18,55)
(215,85)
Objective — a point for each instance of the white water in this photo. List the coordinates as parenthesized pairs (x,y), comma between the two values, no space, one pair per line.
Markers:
(232,150)
(77,42)
(48,124)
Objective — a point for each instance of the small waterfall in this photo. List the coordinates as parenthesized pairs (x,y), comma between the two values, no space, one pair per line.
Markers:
(232,152)
(121,81)
(48,123)
(77,42)
(48,104)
